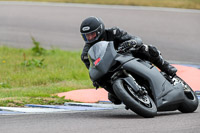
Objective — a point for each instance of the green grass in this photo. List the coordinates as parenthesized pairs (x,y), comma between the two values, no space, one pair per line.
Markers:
(190,4)
(21,84)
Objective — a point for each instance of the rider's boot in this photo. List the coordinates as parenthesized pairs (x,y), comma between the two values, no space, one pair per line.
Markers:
(165,66)
(156,58)
(114,99)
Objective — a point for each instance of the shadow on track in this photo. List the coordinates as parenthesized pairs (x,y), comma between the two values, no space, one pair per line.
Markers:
(124,114)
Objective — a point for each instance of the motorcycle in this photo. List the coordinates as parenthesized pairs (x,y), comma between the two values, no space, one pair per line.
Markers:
(138,83)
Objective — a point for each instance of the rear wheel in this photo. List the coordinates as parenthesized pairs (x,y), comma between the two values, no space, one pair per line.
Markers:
(191,101)
(143,105)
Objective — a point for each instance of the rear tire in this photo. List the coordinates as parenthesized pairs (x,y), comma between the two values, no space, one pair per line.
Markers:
(191,101)
(146,109)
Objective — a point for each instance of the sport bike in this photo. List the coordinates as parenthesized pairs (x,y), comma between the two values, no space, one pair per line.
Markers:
(138,83)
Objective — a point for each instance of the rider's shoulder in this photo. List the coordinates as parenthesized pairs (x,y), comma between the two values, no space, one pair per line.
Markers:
(114,30)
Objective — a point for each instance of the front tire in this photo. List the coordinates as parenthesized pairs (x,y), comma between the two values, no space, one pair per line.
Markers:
(191,101)
(145,108)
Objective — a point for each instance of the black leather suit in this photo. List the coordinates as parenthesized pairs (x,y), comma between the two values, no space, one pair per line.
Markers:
(118,36)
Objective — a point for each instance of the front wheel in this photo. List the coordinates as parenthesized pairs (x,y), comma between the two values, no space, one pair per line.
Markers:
(191,101)
(143,105)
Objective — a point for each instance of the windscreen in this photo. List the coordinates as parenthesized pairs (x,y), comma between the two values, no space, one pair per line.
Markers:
(96,52)
(102,57)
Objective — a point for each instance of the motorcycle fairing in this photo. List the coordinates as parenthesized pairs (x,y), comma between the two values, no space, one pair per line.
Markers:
(106,52)
(163,91)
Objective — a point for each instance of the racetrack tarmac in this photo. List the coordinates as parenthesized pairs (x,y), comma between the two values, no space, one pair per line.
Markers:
(107,121)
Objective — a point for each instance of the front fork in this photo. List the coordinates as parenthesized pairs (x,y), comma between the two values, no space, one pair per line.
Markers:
(130,80)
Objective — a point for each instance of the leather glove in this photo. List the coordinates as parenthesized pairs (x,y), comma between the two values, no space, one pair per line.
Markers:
(128,44)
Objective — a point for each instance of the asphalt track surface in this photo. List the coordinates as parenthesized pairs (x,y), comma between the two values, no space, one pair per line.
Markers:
(107,121)
(175,32)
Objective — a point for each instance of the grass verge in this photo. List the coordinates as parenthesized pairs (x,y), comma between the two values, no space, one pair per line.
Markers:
(189,4)
(26,77)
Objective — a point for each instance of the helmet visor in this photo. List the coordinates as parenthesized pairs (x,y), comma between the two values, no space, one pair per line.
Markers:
(91,36)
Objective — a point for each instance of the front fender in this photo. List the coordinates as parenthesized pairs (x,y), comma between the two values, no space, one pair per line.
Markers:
(131,82)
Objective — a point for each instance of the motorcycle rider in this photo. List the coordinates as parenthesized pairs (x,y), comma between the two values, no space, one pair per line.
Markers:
(93,30)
